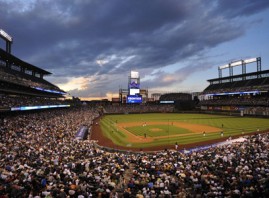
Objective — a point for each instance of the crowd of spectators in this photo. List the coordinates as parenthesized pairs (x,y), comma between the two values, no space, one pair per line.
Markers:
(238,101)
(257,111)
(259,84)
(40,157)
(19,100)
(237,170)
(236,89)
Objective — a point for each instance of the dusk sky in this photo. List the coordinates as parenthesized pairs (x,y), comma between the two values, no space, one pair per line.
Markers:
(91,46)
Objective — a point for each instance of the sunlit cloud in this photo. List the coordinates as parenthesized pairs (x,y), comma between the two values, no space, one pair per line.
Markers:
(101,62)
(168,78)
(79,83)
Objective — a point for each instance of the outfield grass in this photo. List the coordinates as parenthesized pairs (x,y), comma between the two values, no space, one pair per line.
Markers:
(164,134)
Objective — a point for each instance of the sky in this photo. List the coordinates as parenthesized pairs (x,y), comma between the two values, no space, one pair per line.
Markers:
(91,46)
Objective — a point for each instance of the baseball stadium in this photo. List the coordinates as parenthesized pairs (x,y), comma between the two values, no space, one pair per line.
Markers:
(208,144)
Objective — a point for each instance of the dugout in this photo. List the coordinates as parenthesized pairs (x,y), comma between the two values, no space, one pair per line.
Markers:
(82,133)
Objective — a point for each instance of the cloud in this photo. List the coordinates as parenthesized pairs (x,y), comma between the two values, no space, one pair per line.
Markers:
(105,40)
(240,8)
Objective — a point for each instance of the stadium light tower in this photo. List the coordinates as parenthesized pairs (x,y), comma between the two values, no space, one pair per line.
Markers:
(8,40)
(241,63)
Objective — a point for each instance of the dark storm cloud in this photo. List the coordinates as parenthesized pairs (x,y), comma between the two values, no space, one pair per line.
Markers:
(231,8)
(165,79)
(68,37)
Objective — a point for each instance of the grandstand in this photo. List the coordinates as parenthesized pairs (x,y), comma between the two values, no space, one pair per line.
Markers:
(246,93)
(23,84)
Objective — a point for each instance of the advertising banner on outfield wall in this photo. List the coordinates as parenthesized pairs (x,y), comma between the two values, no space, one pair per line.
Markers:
(234,108)
(226,108)
(222,108)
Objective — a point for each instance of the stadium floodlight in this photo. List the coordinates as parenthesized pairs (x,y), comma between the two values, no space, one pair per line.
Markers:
(236,63)
(251,60)
(5,35)
(224,66)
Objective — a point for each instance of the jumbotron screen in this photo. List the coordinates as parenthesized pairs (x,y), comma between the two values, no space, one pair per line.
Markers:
(134,99)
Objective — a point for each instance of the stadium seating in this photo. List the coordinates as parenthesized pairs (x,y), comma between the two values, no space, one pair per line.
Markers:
(39,157)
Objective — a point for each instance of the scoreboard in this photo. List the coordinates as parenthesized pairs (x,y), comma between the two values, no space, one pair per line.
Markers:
(134,88)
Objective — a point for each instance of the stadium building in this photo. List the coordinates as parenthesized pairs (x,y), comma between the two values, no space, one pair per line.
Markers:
(245,93)
(22,85)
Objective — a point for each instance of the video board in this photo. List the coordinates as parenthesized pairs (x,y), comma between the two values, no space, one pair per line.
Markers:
(134,99)
(134,92)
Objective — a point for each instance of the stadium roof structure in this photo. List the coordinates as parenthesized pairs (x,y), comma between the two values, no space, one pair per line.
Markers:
(246,76)
(17,76)
(12,60)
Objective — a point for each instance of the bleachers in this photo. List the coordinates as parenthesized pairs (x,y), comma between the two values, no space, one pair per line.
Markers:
(23,100)
(244,85)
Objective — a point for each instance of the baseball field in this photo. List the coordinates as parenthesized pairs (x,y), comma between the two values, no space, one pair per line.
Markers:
(160,130)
